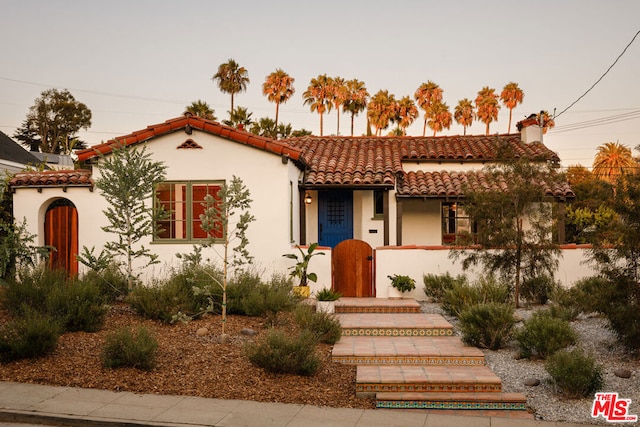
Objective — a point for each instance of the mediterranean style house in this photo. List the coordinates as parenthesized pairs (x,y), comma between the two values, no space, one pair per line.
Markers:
(355,196)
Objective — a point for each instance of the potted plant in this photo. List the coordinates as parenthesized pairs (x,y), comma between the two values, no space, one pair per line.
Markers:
(327,300)
(300,269)
(400,284)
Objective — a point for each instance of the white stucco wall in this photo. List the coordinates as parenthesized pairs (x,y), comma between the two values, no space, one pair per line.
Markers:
(418,261)
(265,174)
(421,222)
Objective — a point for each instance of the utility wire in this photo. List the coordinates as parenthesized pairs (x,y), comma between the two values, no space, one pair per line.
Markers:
(601,77)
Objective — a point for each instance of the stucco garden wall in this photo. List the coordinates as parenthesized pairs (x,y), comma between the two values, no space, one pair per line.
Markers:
(419,260)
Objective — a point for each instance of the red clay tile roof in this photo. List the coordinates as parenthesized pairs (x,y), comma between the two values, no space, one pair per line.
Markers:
(446,184)
(52,178)
(471,148)
(342,161)
(180,123)
(370,161)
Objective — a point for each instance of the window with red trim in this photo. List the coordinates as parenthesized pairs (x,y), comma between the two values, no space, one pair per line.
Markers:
(184,202)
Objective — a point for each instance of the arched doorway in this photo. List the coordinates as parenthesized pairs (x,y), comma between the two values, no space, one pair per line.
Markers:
(61,233)
(352,268)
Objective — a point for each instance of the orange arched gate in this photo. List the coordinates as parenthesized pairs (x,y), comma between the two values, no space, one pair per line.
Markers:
(61,233)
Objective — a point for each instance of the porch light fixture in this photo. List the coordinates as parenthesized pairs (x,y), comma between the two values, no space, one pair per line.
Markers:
(307,198)
(188,130)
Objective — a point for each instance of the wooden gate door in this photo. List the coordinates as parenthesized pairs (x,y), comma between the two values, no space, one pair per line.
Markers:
(352,269)
(61,232)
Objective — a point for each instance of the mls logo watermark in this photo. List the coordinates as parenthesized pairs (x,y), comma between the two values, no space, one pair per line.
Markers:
(612,408)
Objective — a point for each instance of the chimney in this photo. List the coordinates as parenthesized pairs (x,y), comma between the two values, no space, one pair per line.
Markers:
(530,129)
(240,127)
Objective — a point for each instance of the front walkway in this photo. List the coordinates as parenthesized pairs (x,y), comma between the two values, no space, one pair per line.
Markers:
(412,360)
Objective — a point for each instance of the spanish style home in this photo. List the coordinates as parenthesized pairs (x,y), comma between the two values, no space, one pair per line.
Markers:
(354,196)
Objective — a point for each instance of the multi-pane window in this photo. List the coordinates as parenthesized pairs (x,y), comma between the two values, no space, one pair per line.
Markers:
(184,202)
(455,222)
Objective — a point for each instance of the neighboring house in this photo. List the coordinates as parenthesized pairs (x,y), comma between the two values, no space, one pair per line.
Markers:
(14,158)
(349,194)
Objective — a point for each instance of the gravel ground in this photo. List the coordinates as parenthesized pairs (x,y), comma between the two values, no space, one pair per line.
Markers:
(596,339)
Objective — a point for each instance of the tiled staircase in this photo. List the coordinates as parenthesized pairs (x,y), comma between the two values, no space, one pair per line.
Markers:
(411,360)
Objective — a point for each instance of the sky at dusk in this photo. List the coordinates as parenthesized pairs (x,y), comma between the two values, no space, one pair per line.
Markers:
(140,62)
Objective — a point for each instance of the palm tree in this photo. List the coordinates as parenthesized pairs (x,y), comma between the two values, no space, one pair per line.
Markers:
(355,100)
(487,106)
(406,113)
(381,110)
(318,96)
(278,88)
(439,117)
(464,114)
(239,116)
(338,96)
(200,109)
(427,93)
(231,78)
(511,96)
(612,160)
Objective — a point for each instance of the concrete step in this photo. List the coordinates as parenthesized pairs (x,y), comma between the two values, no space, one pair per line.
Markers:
(394,325)
(435,351)
(480,401)
(377,305)
(373,379)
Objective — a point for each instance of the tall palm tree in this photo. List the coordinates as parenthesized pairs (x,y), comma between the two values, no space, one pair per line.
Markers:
(464,114)
(612,160)
(406,113)
(355,100)
(239,116)
(318,96)
(381,110)
(487,106)
(439,117)
(511,96)
(231,78)
(338,95)
(427,93)
(200,109)
(278,88)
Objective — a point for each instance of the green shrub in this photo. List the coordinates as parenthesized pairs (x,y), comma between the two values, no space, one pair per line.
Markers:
(493,290)
(79,305)
(111,282)
(487,325)
(324,326)
(402,283)
(460,296)
(269,299)
(574,373)
(128,348)
(587,295)
(281,352)
(538,290)
(543,335)
(328,294)
(463,295)
(29,336)
(32,288)
(436,285)
(563,306)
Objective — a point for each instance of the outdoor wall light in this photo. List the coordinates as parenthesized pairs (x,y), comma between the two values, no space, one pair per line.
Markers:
(188,130)
(307,198)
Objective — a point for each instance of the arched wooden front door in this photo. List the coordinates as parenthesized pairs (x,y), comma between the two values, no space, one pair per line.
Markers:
(61,232)
(352,269)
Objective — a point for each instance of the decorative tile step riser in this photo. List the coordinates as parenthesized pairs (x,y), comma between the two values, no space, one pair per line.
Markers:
(378,310)
(477,406)
(395,332)
(427,388)
(410,360)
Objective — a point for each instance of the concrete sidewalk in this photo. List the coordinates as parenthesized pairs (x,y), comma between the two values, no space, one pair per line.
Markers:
(90,407)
